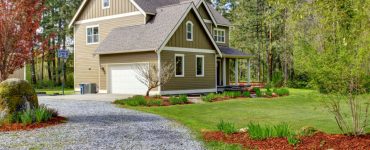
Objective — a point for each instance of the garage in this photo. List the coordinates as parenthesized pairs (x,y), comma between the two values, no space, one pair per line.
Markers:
(123,80)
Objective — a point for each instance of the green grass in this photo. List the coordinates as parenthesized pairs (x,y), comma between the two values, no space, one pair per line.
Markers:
(56,90)
(302,108)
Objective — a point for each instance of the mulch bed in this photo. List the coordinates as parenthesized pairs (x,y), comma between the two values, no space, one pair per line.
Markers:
(20,127)
(317,141)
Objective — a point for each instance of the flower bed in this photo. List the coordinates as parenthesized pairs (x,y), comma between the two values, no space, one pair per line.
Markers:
(154,101)
(255,92)
(39,117)
(281,136)
(317,141)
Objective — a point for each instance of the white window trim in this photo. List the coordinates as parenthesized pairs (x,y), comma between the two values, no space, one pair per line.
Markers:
(93,26)
(196,65)
(192,31)
(216,34)
(183,65)
(102,3)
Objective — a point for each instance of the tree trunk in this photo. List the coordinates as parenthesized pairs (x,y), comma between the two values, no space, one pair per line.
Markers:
(33,70)
(42,65)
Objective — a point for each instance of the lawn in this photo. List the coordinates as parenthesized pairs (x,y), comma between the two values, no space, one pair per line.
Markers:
(56,90)
(302,108)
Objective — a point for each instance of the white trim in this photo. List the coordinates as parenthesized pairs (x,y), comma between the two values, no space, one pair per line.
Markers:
(183,65)
(188,91)
(77,13)
(92,26)
(108,17)
(25,72)
(224,71)
(159,71)
(192,6)
(103,91)
(249,71)
(236,71)
(192,31)
(105,7)
(138,7)
(209,12)
(74,57)
(215,30)
(196,65)
(216,77)
(207,21)
(194,50)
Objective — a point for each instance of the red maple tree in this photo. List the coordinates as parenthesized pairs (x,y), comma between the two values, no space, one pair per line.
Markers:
(19,21)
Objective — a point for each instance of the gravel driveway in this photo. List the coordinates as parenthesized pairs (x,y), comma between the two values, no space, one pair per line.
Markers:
(100,125)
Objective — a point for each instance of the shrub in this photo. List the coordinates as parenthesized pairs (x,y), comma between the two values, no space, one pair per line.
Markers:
(277,79)
(257,132)
(42,113)
(132,101)
(16,96)
(246,94)
(175,100)
(226,127)
(281,92)
(292,140)
(154,102)
(184,99)
(282,130)
(232,94)
(269,93)
(258,91)
(209,97)
(26,117)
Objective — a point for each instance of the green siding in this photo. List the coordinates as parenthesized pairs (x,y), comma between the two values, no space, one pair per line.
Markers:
(200,37)
(190,81)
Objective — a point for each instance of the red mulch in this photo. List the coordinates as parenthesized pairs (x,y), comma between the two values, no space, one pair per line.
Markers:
(20,127)
(317,141)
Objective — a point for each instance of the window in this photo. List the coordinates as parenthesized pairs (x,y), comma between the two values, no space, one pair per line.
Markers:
(189,31)
(92,35)
(200,66)
(106,4)
(219,35)
(179,65)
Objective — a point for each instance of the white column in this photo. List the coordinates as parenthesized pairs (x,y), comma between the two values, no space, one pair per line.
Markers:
(224,71)
(236,71)
(249,71)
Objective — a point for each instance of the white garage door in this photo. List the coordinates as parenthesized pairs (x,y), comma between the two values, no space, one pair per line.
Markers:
(123,80)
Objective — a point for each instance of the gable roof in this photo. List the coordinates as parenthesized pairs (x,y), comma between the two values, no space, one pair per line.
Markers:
(220,20)
(152,36)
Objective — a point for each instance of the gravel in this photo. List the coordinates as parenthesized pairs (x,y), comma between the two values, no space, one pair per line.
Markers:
(101,125)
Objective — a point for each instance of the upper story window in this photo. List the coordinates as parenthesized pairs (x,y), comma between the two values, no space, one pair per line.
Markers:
(189,31)
(200,66)
(219,35)
(92,34)
(106,4)
(179,65)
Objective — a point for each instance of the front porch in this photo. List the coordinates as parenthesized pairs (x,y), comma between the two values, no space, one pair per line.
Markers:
(231,61)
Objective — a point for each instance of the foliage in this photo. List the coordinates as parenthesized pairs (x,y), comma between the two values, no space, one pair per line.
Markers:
(184,98)
(226,127)
(154,102)
(178,100)
(153,76)
(26,117)
(16,95)
(332,46)
(209,97)
(293,140)
(307,131)
(133,101)
(281,92)
(36,115)
(232,94)
(258,132)
(19,22)
(277,79)
(258,91)
(300,80)
(246,94)
(268,92)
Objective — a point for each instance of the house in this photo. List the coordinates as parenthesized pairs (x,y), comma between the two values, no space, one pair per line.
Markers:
(113,36)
